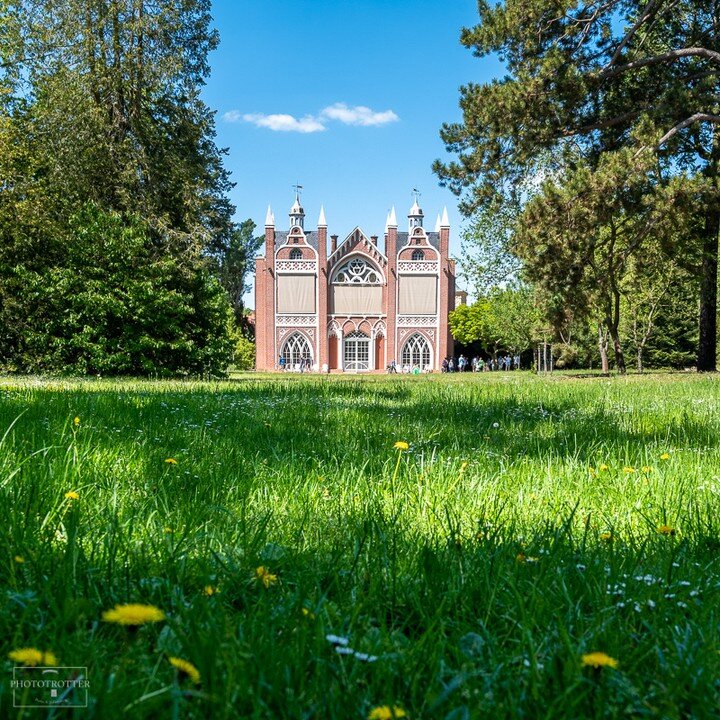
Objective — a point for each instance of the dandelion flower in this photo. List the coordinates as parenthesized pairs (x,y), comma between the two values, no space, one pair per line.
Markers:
(76,421)
(463,466)
(666,530)
(19,559)
(133,615)
(598,660)
(168,531)
(185,668)
(264,576)
(647,469)
(210,590)
(72,495)
(385,712)
(603,467)
(606,536)
(308,614)
(32,657)
(628,470)
(401,445)
(171,461)
(665,456)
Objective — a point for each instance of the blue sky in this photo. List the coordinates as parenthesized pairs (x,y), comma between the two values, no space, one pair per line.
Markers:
(345,98)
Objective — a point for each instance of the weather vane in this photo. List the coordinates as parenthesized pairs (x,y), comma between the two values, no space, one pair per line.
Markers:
(298,189)
(416,193)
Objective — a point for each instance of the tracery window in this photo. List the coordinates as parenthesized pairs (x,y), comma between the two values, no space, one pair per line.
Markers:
(357,272)
(418,255)
(296,254)
(295,349)
(416,351)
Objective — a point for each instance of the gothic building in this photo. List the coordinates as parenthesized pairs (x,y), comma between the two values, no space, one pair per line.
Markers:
(355,308)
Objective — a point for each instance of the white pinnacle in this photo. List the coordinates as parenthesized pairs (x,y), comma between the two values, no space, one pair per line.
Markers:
(322,222)
(437,223)
(445,222)
(392,218)
(269,218)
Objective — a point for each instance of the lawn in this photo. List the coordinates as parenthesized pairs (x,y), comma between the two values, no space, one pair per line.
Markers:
(308,568)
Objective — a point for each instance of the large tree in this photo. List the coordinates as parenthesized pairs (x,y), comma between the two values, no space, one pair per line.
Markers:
(104,111)
(587,75)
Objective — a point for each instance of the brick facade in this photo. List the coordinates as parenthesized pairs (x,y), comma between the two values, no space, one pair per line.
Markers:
(357,308)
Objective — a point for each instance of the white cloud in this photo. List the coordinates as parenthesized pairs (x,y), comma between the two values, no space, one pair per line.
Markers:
(358,115)
(232,116)
(281,122)
(284,123)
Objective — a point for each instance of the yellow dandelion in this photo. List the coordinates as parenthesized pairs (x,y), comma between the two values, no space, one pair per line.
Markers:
(76,421)
(171,461)
(133,615)
(606,536)
(592,470)
(628,470)
(603,467)
(308,614)
(72,495)
(401,445)
(665,456)
(463,466)
(264,576)
(385,712)
(185,668)
(211,590)
(666,530)
(647,469)
(33,657)
(19,559)
(598,660)
(168,531)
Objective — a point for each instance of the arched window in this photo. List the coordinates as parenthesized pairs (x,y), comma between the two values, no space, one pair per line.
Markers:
(418,255)
(356,352)
(416,351)
(357,271)
(296,348)
(296,254)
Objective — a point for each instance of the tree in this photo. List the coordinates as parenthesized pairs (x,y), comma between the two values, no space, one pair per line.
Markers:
(106,113)
(234,261)
(587,76)
(582,236)
(136,312)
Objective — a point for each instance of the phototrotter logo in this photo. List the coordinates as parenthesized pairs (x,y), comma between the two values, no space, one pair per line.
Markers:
(49,687)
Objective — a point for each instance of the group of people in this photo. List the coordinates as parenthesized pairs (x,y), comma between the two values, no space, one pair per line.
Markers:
(302,366)
(477,364)
(407,369)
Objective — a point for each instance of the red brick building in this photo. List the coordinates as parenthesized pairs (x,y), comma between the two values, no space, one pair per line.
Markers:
(354,307)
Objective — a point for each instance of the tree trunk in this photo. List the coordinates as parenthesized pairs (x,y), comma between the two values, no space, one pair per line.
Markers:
(602,344)
(707,347)
(640,359)
(617,347)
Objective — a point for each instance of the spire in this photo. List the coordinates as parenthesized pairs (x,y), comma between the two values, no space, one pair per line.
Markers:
(269,218)
(445,222)
(437,223)
(415,216)
(322,222)
(297,214)
(392,218)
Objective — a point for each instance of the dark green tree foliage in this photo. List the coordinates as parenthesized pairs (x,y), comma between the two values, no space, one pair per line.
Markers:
(118,306)
(590,76)
(106,114)
(235,261)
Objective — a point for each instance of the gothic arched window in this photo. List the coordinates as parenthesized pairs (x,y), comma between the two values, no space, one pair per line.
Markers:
(357,271)
(296,254)
(296,348)
(416,351)
(418,255)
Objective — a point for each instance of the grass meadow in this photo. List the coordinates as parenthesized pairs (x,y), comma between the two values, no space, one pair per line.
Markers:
(308,568)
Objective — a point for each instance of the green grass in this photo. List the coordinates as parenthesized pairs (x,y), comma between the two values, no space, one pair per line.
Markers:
(478,567)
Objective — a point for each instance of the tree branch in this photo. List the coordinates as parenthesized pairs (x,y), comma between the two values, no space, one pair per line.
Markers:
(697,117)
(706,53)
